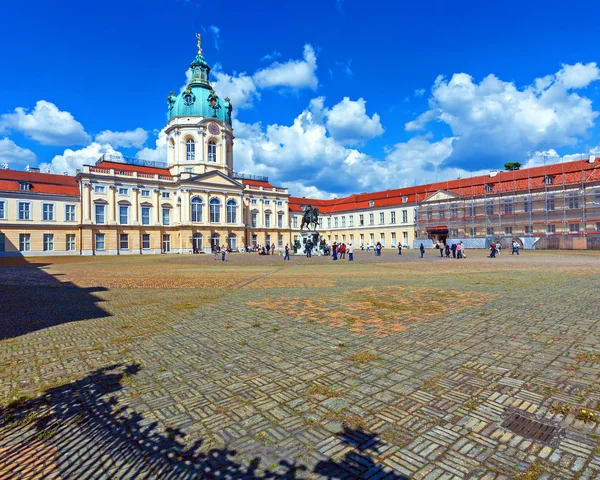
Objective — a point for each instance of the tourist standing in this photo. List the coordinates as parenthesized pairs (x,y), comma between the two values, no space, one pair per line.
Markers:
(453,248)
(343,251)
(350,251)
(307,248)
(498,248)
(287,252)
(459,250)
(399,248)
(447,251)
(516,247)
(215,252)
(422,250)
(334,250)
(442,250)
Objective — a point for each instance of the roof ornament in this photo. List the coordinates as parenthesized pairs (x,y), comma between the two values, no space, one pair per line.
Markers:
(5,166)
(199,47)
(27,168)
(47,169)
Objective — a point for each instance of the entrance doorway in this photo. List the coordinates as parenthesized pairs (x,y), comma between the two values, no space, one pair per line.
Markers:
(215,241)
(197,243)
(166,241)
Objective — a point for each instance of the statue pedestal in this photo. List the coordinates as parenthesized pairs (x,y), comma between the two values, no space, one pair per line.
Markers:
(313,237)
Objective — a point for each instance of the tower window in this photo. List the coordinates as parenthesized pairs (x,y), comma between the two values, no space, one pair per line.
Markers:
(212,151)
(190,149)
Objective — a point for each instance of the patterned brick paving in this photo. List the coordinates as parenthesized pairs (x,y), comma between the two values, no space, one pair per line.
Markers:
(390,367)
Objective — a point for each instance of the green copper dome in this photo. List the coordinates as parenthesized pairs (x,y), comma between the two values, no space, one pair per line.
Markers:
(199,99)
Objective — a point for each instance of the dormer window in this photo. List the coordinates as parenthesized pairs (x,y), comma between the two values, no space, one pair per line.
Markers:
(404,199)
(549,180)
(371,203)
(489,188)
(24,187)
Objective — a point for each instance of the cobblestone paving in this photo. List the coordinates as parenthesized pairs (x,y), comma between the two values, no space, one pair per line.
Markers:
(387,367)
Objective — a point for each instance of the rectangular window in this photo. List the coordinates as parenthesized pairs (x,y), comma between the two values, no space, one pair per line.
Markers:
(453,232)
(100,241)
(48,242)
(268,239)
(453,210)
(490,230)
(70,246)
(573,200)
(279,203)
(267,202)
(351,220)
(145,215)
(2,210)
(489,188)
(254,240)
(166,216)
(343,238)
(99,189)
(253,201)
(335,222)
(489,207)
(123,191)
(343,221)
(320,222)
(254,220)
(551,229)
(24,242)
(471,210)
(574,228)
(280,220)
(70,213)
(441,211)
(528,229)
(549,180)
(404,216)
(404,199)
(145,193)
(361,220)
(166,243)
(146,241)
(393,239)
(328,222)
(2,242)
(280,240)
(508,230)
(124,241)
(371,219)
(473,232)
(99,211)
(24,211)
(405,237)
(267,220)
(25,187)
(429,213)
(508,205)
(165,194)
(381,218)
(123,214)
(382,238)
(47,212)
(527,205)
(393,218)
(598,226)
(372,236)
(550,202)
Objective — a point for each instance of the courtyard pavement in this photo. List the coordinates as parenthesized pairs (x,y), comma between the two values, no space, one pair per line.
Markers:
(180,366)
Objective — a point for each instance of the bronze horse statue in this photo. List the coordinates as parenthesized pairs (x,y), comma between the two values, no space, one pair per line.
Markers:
(311,217)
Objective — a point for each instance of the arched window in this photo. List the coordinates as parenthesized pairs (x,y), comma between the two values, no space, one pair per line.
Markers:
(197,242)
(197,73)
(215,240)
(231,211)
(215,210)
(190,149)
(196,205)
(212,151)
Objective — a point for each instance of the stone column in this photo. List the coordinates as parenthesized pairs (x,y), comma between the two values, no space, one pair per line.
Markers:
(136,206)
(157,205)
(112,206)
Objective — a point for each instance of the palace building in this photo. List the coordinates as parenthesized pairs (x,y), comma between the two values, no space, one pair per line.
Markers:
(195,200)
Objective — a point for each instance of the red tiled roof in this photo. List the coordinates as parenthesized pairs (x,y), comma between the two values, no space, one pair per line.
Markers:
(256,183)
(568,173)
(133,168)
(45,183)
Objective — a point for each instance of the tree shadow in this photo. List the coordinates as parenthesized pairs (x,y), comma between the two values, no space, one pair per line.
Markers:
(79,430)
(33,299)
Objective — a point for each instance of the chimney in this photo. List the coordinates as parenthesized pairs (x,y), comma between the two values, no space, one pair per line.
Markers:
(591,158)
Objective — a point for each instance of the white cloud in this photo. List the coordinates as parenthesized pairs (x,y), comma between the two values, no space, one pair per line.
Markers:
(46,124)
(12,154)
(216,31)
(131,138)
(271,56)
(420,92)
(157,154)
(293,73)
(240,88)
(349,123)
(494,121)
(72,160)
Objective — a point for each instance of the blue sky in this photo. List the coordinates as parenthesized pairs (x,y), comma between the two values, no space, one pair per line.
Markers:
(330,97)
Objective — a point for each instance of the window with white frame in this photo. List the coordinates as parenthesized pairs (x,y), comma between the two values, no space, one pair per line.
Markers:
(188,170)
(145,193)
(404,199)
(280,240)
(254,240)
(267,220)
(489,188)
(441,211)
(371,203)
(267,202)
(190,150)
(123,214)
(280,220)
(343,220)
(404,216)
(574,227)
(549,180)
(320,222)
(508,205)
(123,241)
(382,238)
(361,220)
(381,218)
(2,210)
(328,222)
(215,210)
(197,206)
(267,239)
(279,203)
(145,241)
(253,201)
(393,217)
(24,211)
(25,187)
(453,210)
(405,237)
(508,230)
(123,191)
(24,242)
(429,213)
(2,242)
(527,207)
(99,213)
(471,209)
(254,220)
(453,232)
(166,216)
(573,200)
(212,151)
(372,236)
(550,202)
(232,241)
(48,212)
(165,194)
(335,237)
(489,207)
(145,214)
(295,221)
(551,229)
(393,238)
(335,222)
(351,220)
(100,241)
(70,215)
(231,211)
(70,242)
(99,188)
(371,219)
(48,242)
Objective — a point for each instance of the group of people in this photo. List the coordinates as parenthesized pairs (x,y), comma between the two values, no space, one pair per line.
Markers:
(261,249)
(221,250)
(341,249)
(457,250)
(376,248)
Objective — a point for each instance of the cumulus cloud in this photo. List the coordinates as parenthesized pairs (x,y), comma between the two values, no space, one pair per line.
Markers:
(349,123)
(12,154)
(71,160)
(159,152)
(293,73)
(131,138)
(240,88)
(46,124)
(494,121)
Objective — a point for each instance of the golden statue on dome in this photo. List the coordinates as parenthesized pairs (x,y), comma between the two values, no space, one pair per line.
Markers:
(199,47)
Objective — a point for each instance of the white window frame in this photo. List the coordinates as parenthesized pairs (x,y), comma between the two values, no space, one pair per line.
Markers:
(70,242)
(68,207)
(165,216)
(48,242)
(350,220)
(165,194)
(123,236)
(145,193)
(24,242)
(103,207)
(145,236)
(27,210)
(100,189)
(102,237)
(3,212)
(51,217)
(126,222)
(123,191)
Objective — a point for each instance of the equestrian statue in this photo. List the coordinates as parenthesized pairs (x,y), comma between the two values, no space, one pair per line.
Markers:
(311,217)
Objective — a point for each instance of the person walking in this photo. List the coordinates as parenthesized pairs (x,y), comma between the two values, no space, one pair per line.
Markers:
(442,249)
(459,250)
(422,250)
(334,251)
(399,248)
(308,248)
(350,251)
(287,252)
(447,251)
(223,252)
(215,252)
(516,247)
(343,251)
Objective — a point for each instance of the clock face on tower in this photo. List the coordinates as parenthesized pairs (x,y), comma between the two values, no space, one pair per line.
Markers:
(213,128)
